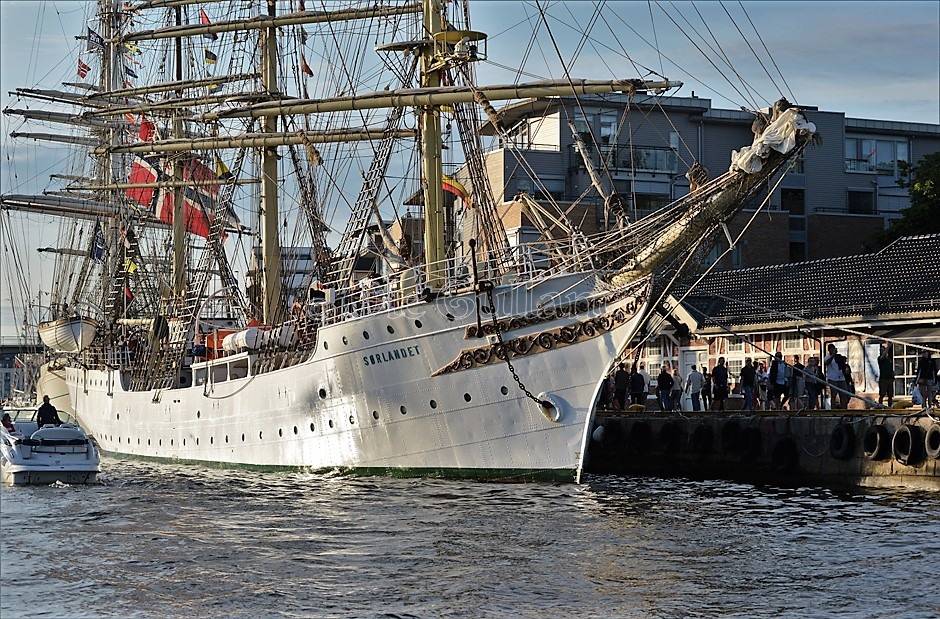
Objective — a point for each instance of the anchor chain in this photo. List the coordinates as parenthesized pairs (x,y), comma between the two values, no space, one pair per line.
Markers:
(499,338)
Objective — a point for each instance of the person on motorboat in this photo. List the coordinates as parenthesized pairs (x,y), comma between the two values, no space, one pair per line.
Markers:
(8,423)
(47,413)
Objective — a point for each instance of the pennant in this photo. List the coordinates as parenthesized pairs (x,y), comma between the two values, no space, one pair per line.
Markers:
(127,294)
(214,88)
(210,57)
(130,118)
(304,66)
(98,246)
(130,266)
(451,185)
(129,72)
(83,69)
(95,41)
(205,21)
(221,170)
(131,47)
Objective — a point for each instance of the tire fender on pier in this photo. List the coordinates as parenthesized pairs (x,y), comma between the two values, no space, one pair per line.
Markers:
(906,443)
(876,442)
(932,441)
(842,442)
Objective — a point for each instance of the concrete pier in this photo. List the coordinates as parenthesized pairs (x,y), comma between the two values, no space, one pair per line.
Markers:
(830,448)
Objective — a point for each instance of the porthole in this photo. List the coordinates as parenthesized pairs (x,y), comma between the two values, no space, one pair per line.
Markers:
(326,346)
(450,317)
(260,436)
(345,340)
(226,438)
(280,432)
(504,390)
(390,328)
(352,420)
(322,393)
(418,324)
(243,438)
(467,397)
(138,441)
(212,440)
(295,429)
(433,403)
(160,444)
(171,442)
(403,410)
(184,442)
(197,441)
(331,423)
(365,334)
(119,416)
(148,442)
(375,414)
(198,414)
(312,428)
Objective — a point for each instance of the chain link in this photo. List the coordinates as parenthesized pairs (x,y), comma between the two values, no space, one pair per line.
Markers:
(499,338)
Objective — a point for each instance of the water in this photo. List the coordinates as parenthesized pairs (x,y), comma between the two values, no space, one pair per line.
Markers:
(181,541)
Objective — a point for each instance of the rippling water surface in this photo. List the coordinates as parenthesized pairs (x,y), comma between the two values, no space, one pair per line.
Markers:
(181,541)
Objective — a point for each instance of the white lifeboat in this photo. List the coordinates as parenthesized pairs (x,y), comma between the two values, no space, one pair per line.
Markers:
(68,334)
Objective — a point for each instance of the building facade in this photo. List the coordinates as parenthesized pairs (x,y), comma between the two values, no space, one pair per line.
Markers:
(834,200)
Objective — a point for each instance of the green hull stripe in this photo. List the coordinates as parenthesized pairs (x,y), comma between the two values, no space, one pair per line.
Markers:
(506,475)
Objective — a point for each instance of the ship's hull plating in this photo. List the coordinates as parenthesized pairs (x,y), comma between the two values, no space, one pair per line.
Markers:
(401,392)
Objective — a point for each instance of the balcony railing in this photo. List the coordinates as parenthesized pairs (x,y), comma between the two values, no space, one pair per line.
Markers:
(621,157)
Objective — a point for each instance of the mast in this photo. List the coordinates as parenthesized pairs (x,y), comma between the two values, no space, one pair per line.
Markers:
(270,241)
(179,214)
(431,153)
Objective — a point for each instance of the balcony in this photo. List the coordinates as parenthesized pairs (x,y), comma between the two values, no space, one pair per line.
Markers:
(622,158)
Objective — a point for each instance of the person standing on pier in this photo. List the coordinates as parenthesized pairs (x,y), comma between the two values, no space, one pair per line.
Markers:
(748,382)
(814,379)
(779,381)
(720,384)
(706,388)
(694,384)
(676,395)
(927,377)
(886,376)
(834,364)
(797,385)
(621,381)
(637,386)
(664,384)
(646,381)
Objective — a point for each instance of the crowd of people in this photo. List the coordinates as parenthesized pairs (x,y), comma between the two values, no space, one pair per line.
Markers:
(776,384)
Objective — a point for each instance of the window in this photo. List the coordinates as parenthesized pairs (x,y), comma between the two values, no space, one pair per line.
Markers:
(793,342)
(734,370)
(647,203)
(861,202)
(735,345)
(793,200)
(884,157)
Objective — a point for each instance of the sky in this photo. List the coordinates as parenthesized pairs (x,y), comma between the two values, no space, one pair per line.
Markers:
(874,60)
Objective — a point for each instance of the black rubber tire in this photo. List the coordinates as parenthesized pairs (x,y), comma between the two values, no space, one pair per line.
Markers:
(751,443)
(906,444)
(842,442)
(640,436)
(730,436)
(669,438)
(876,443)
(785,457)
(932,442)
(702,438)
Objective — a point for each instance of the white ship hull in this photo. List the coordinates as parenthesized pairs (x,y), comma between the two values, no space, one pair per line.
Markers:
(398,401)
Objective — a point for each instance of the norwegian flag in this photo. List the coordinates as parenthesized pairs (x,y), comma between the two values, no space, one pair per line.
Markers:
(83,69)
(198,200)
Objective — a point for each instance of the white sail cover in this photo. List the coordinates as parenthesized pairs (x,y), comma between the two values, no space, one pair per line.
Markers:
(780,136)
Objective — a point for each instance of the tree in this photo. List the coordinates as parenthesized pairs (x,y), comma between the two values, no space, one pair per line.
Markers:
(923,216)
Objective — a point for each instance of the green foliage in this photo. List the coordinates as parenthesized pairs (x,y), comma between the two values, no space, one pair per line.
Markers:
(923,216)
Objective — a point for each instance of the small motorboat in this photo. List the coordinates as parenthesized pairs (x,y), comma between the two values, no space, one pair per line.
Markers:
(34,455)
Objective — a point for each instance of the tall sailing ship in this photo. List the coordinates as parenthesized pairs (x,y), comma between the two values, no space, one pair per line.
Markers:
(462,355)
